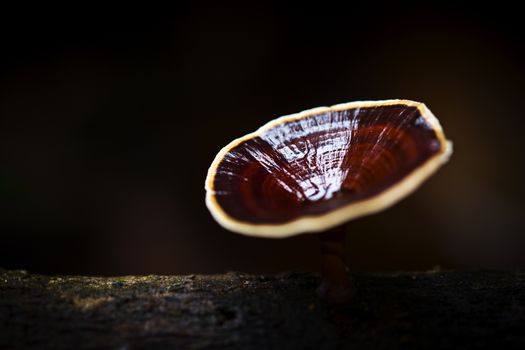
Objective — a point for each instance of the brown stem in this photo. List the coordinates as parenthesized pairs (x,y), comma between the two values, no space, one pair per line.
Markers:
(336,285)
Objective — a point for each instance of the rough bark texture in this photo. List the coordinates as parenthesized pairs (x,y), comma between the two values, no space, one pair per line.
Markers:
(236,311)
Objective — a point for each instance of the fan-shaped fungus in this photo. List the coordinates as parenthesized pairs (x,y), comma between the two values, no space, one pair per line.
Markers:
(317,169)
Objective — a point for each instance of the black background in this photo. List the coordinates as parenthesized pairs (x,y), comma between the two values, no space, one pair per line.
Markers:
(111,117)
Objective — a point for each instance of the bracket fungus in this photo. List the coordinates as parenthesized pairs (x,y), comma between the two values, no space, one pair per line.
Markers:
(318,169)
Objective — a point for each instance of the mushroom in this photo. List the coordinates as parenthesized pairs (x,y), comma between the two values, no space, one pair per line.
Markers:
(318,169)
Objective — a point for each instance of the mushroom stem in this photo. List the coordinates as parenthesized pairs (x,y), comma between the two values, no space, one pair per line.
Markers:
(336,285)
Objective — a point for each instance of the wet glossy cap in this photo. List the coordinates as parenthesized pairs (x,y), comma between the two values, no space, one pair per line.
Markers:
(314,170)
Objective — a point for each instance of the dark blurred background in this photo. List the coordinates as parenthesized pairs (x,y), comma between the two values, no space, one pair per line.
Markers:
(111,117)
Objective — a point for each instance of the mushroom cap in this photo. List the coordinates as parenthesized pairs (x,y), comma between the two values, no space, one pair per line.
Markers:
(314,170)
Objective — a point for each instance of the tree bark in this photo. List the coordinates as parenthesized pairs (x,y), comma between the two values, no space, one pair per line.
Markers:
(424,310)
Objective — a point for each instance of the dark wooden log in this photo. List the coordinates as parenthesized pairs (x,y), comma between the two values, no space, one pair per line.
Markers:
(424,310)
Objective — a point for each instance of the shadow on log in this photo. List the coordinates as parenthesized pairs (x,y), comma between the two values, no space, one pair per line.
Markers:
(425,310)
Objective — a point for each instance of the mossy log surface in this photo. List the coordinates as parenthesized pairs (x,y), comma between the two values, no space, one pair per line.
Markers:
(424,310)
